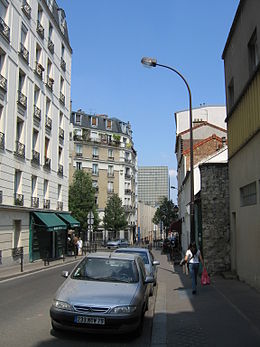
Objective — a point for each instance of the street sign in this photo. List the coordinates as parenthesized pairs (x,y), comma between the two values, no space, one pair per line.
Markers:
(90,218)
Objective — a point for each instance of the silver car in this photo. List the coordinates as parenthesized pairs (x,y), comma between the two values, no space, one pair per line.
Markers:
(106,292)
(117,243)
(148,259)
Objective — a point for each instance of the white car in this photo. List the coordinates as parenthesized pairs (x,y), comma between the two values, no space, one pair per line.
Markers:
(117,243)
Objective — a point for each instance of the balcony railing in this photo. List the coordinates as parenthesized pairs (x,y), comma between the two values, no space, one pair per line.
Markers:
(40,29)
(62,98)
(4,30)
(20,149)
(61,133)
(128,191)
(59,205)
(35,157)
(47,163)
(34,201)
(18,199)
(127,176)
(22,99)
(26,8)
(110,191)
(38,69)
(2,140)
(24,53)
(111,158)
(46,203)
(51,46)
(60,170)
(37,114)
(3,83)
(48,123)
(127,160)
(95,156)
(78,154)
(50,82)
(110,174)
(62,64)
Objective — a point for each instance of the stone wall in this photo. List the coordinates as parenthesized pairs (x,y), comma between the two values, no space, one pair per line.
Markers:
(215,216)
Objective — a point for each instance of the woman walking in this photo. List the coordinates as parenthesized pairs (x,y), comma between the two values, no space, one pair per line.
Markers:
(193,258)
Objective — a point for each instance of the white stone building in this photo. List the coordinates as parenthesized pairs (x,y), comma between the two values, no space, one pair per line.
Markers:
(35,83)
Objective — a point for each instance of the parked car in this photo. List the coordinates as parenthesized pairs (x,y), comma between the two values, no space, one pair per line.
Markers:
(117,243)
(106,292)
(148,259)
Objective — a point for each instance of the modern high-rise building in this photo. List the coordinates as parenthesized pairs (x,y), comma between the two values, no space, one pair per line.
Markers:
(103,147)
(153,184)
(35,82)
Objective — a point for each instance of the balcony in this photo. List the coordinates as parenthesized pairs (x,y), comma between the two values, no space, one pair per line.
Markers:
(128,208)
(18,199)
(59,205)
(110,191)
(95,156)
(22,99)
(38,69)
(62,64)
(26,8)
(51,46)
(4,30)
(61,133)
(37,115)
(78,154)
(60,170)
(49,83)
(62,98)
(111,158)
(34,202)
(24,53)
(127,176)
(127,160)
(20,149)
(35,157)
(128,191)
(47,163)
(40,30)
(110,174)
(2,140)
(46,203)
(48,123)
(3,83)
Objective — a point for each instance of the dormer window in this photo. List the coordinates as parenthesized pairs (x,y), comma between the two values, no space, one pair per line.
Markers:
(94,121)
(77,118)
(109,124)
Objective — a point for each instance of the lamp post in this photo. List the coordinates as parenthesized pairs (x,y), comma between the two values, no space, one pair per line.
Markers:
(153,63)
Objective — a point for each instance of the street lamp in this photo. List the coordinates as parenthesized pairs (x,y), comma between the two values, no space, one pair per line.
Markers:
(153,63)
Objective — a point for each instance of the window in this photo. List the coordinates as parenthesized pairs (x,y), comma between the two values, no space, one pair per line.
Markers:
(108,124)
(78,165)
(110,187)
(110,154)
(110,171)
(78,150)
(95,169)
(248,195)
(94,121)
(59,192)
(77,118)
(95,153)
(253,55)
(231,93)
(45,188)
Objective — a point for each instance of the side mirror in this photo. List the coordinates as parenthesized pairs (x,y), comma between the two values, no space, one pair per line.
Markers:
(156,262)
(65,274)
(149,279)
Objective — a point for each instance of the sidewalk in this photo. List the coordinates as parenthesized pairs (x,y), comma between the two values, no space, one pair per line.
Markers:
(225,313)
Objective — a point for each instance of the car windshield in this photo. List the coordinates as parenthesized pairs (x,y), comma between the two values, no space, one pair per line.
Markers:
(106,270)
(143,255)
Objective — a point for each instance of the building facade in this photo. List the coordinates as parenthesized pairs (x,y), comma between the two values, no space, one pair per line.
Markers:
(209,140)
(147,230)
(153,184)
(241,57)
(103,147)
(35,82)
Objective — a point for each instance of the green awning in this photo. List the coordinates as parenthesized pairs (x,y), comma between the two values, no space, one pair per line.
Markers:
(67,218)
(51,221)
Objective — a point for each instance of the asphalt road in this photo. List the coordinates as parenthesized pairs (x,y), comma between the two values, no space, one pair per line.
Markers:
(25,321)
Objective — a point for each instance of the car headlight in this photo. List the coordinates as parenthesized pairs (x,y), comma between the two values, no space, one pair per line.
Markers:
(123,309)
(62,305)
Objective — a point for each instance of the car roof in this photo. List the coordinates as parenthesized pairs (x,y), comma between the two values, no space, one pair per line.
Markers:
(132,249)
(113,255)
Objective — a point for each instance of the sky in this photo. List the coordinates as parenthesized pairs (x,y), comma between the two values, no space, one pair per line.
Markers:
(109,38)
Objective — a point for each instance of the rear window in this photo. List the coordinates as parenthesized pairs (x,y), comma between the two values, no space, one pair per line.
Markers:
(143,255)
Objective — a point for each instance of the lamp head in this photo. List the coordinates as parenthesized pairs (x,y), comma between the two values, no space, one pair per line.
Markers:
(149,61)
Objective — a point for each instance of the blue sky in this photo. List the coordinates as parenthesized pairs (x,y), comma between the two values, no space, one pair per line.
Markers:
(109,38)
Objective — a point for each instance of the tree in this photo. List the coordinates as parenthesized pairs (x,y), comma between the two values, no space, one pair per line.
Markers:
(165,213)
(82,199)
(114,217)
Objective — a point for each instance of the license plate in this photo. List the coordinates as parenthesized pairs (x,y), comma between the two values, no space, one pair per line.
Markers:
(89,320)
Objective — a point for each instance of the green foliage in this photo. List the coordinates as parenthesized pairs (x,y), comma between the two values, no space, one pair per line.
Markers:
(82,199)
(116,137)
(114,217)
(166,213)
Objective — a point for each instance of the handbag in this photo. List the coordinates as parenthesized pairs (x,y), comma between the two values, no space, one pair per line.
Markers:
(205,279)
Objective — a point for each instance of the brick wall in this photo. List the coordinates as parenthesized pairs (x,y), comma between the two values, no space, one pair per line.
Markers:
(215,216)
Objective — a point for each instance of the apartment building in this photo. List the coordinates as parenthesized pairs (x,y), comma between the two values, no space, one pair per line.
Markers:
(153,184)
(241,57)
(103,147)
(35,83)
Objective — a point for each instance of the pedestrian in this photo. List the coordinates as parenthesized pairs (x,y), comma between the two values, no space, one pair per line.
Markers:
(79,245)
(193,258)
